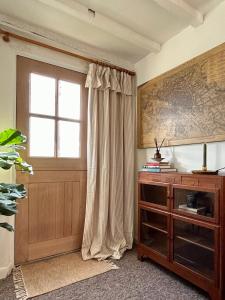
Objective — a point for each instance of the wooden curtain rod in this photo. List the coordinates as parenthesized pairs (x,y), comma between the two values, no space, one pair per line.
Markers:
(6,38)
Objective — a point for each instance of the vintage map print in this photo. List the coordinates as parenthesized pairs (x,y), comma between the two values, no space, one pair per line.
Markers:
(185,105)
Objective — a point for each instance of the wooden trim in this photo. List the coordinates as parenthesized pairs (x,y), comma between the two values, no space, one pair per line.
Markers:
(6,38)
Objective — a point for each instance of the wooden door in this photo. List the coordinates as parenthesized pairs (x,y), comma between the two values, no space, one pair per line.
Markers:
(51,112)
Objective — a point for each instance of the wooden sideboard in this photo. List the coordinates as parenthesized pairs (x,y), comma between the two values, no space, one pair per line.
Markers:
(181,226)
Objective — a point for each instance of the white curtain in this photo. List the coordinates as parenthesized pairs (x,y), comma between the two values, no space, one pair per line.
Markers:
(108,228)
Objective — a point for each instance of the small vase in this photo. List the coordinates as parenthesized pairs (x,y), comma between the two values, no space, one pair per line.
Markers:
(157,154)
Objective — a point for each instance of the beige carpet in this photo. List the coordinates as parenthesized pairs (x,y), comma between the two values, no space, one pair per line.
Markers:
(44,276)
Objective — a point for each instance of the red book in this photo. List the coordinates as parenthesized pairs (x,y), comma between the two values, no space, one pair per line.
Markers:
(152,164)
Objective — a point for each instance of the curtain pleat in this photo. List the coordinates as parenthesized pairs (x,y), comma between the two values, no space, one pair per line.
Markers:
(108,228)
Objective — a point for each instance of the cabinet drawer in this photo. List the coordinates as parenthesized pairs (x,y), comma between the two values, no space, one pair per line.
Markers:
(187,180)
(147,176)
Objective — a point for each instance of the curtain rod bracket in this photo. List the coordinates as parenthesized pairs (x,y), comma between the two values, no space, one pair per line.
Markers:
(5,37)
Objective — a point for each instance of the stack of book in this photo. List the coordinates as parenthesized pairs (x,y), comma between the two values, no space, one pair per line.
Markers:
(157,167)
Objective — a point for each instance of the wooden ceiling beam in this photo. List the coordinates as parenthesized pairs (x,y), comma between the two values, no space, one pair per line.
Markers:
(98,20)
(182,9)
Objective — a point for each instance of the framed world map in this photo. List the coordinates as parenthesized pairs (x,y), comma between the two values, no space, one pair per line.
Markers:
(185,105)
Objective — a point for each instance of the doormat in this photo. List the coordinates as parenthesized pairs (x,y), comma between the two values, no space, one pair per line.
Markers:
(44,276)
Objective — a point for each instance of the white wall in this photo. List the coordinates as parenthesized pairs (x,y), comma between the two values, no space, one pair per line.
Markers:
(181,48)
(8,54)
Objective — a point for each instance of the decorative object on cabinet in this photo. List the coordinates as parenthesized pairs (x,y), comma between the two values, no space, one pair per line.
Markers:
(157,155)
(176,104)
(181,226)
(204,170)
(157,167)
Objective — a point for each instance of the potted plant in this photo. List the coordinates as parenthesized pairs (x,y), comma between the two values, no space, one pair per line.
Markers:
(11,141)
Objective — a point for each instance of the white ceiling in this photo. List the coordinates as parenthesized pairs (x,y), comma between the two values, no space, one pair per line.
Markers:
(128,29)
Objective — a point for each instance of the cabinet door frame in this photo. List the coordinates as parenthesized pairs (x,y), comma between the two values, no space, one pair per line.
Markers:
(154,205)
(215,228)
(215,191)
(160,212)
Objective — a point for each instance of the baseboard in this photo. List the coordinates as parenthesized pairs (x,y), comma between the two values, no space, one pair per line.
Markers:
(5,271)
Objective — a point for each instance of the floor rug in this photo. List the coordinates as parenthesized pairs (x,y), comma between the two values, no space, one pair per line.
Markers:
(50,274)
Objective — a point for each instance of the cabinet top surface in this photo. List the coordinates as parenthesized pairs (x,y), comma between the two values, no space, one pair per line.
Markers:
(182,174)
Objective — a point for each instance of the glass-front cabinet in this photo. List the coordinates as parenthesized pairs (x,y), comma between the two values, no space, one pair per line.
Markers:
(194,246)
(154,230)
(196,203)
(156,195)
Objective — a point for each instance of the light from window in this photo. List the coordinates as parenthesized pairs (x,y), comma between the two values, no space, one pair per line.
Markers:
(69,100)
(42,137)
(42,94)
(68,139)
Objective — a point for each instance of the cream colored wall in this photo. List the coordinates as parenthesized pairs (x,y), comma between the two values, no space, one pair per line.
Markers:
(8,54)
(7,119)
(181,48)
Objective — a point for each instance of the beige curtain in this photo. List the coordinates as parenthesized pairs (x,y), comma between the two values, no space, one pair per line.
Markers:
(108,229)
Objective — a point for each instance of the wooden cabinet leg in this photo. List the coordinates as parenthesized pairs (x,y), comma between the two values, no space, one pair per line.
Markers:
(140,257)
(215,295)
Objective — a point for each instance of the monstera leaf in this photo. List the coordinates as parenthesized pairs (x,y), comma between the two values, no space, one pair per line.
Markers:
(12,137)
(11,140)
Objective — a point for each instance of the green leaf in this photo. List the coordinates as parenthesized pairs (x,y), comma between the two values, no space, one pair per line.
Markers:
(7,207)
(10,141)
(6,165)
(9,155)
(12,137)
(6,226)
(12,191)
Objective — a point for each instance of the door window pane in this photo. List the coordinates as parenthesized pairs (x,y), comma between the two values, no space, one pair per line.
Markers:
(42,137)
(68,139)
(69,100)
(42,94)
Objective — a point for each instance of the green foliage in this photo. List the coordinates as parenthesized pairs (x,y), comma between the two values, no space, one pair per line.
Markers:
(10,141)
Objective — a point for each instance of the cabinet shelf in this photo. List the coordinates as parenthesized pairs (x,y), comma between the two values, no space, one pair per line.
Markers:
(196,241)
(156,226)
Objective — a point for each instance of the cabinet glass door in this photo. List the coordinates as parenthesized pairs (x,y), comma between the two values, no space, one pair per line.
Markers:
(155,195)
(194,247)
(154,230)
(197,203)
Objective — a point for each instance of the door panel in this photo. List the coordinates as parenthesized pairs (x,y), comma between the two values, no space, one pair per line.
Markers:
(50,220)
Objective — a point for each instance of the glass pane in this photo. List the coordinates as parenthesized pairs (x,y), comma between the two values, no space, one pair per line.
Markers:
(42,137)
(194,202)
(68,139)
(194,247)
(154,239)
(42,95)
(154,220)
(154,194)
(69,100)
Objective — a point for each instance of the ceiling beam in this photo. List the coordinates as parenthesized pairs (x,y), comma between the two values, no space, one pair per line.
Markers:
(182,9)
(104,23)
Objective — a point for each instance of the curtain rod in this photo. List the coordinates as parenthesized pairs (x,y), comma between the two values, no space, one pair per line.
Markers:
(6,38)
